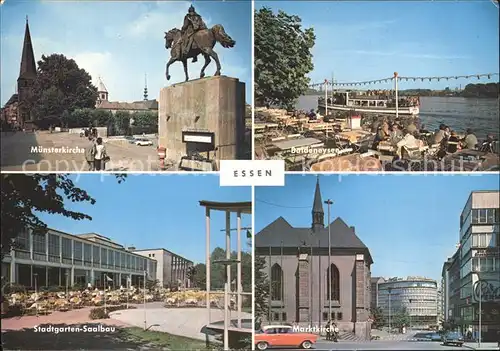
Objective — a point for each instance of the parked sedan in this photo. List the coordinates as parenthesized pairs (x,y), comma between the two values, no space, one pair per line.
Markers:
(453,338)
(283,336)
(143,142)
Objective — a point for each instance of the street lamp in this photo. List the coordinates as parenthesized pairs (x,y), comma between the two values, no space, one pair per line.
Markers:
(390,290)
(478,286)
(35,275)
(329,270)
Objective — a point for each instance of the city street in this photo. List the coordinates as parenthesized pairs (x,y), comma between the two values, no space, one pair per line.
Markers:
(384,345)
(17,153)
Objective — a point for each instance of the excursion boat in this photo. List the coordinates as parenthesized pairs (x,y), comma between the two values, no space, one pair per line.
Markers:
(380,103)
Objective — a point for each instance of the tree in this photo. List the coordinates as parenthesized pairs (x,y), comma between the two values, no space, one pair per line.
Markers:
(60,86)
(378,317)
(401,318)
(25,196)
(200,276)
(282,58)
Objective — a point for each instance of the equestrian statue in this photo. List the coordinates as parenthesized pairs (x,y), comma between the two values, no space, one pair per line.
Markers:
(195,39)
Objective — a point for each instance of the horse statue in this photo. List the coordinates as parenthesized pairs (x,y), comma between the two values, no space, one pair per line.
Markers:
(203,43)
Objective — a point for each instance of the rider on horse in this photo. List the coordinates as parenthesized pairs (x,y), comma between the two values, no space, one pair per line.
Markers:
(192,24)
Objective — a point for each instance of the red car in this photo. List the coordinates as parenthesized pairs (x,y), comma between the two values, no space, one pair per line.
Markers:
(283,336)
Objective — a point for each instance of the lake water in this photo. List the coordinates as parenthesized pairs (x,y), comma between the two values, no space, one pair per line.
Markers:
(459,113)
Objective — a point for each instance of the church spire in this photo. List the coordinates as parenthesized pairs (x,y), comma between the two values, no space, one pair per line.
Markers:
(28,66)
(145,87)
(317,210)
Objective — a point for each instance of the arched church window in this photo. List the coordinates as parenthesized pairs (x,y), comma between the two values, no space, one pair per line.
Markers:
(333,284)
(276,283)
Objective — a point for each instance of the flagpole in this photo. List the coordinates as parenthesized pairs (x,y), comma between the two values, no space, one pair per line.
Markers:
(311,287)
(270,289)
(319,284)
(127,289)
(281,283)
(105,278)
(144,300)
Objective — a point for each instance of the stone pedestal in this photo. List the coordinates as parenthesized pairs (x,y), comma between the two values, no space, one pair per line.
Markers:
(209,105)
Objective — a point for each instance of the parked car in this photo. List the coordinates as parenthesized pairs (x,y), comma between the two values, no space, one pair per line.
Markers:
(143,142)
(283,336)
(453,338)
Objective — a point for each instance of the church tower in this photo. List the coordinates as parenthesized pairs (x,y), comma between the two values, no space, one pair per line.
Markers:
(27,76)
(318,215)
(102,92)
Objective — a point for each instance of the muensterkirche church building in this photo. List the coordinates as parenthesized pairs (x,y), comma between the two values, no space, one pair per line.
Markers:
(297,263)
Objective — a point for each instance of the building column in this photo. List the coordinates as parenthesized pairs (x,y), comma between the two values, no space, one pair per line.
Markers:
(13,271)
(304,290)
(47,275)
(361,325)
(72,276)
(31,274)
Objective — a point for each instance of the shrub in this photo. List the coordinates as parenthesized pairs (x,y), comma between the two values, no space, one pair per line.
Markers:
(98,313)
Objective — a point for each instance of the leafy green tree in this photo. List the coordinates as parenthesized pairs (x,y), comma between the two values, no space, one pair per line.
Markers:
(261,283)
(145,119)
(282,58)
(26,196)
(378,317)
(401,318)
(60,86)
(121,123)
(200,276)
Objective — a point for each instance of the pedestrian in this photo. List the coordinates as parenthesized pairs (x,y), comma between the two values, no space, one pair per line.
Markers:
(90,152)
(101,156)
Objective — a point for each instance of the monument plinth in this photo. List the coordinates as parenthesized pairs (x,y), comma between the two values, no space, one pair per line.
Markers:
(204,116)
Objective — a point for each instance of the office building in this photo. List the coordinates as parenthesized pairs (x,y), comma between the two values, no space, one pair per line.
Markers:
(172,269)
(62,259)
(417,295)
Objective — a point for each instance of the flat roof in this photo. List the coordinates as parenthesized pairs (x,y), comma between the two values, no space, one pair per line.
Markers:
(162,249)
(288,144)
(243,207)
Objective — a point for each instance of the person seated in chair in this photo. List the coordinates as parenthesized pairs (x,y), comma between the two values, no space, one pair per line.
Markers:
(470,140)
(409,141)
(453,143)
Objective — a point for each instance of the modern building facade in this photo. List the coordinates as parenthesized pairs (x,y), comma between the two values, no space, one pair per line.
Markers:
(304,286)
(61,259)
(480,263)
(172,269)
(417,295)
(375,281)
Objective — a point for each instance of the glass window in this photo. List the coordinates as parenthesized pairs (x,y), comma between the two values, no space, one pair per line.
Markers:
(78,248)
(129,261)
(122,260)
(104,257)
(111,258)
(96,254)
(39,243)
(66,248)
(23,241)
(117,259)
(87,253)
(54,245)
(482,218)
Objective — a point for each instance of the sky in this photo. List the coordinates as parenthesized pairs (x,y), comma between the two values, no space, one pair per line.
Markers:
(410,223)
(155,211)
(121,41)
(362,41)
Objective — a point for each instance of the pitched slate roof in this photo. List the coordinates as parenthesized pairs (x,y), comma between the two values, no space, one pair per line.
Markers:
(28,65)
(135,106)
(317,203)
(342,236)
